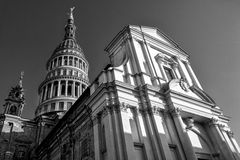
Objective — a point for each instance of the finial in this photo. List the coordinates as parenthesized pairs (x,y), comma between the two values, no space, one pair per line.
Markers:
(71,13)
(21,78)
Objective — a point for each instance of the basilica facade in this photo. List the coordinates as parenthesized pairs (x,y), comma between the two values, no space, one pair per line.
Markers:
(146,104)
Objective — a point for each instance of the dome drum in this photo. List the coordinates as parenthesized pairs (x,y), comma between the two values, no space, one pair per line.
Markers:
(67,76)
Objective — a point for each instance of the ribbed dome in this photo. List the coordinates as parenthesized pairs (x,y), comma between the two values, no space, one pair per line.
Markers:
(68,44)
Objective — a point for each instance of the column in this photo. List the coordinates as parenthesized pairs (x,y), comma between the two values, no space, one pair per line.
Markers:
(192,74)
(57,62)
(97,137)
(220,143)
(119,132)
(152,136)
(66,87)
(73,88)
(161,135)
(62,60)
(234,143)
(80,89)
(67,60)
(185,141)
(45,95)
(40,96)
(173,134)
(109,131)
(59,88)
(51,90)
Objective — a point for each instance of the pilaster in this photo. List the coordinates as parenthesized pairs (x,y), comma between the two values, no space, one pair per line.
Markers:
(182,132)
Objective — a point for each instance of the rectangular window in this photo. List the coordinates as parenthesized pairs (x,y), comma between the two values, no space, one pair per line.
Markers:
(61,105)
(169,73)
(52,106)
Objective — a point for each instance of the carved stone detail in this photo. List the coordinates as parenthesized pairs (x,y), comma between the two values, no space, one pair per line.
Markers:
(230,134)
(175,111)
(189,123)
(183,84)
(124,107)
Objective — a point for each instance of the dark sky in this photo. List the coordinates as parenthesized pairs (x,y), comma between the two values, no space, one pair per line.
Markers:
(208,30)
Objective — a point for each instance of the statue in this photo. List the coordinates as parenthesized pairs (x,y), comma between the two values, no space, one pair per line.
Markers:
(71,13)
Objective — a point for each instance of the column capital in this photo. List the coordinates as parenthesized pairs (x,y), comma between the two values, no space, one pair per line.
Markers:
(124,107)
(230,133)
(213,121)
(175,112)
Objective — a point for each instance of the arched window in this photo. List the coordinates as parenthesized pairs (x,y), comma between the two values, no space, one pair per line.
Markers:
(75,62)
(13,110)
(55,89)
(59,61)
(77,89)
(80,63)
(55,62)
(63,87)
(83,66)
(43,94)
(70,61)
(48,90)
(69,88)
(65,60)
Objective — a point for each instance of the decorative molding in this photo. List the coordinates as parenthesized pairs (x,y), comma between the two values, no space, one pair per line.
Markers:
(230,134)
(183,84)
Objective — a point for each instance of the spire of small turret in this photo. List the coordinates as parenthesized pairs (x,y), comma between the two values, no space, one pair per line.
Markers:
(21,79)
(70,27)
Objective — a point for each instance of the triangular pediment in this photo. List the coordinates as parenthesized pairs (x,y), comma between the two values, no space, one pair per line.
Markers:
(181,87)
(156,34)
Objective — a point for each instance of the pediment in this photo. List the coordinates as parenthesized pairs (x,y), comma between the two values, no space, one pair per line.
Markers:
(181,87)
(157,34)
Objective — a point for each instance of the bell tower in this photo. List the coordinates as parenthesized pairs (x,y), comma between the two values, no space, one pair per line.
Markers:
(15,101)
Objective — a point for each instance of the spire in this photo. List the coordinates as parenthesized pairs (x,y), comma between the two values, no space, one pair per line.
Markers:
(70,28)
(15,101)
(21,78)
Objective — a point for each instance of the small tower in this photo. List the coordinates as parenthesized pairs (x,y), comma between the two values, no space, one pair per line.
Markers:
(15,101)
(67,75)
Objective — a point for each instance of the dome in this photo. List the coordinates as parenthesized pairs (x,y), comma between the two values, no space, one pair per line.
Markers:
(68,44)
